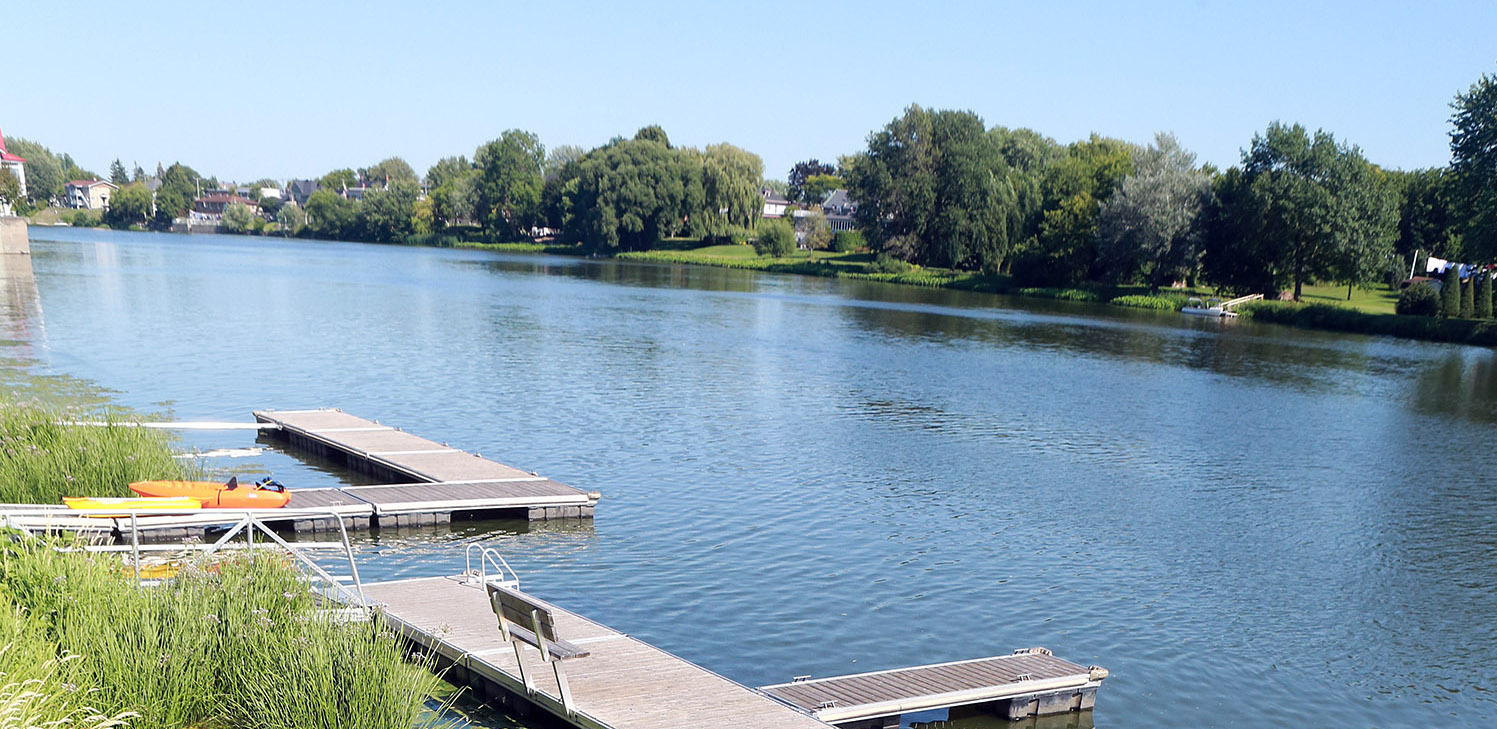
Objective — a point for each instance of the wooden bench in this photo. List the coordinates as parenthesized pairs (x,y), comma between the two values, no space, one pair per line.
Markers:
(523,621)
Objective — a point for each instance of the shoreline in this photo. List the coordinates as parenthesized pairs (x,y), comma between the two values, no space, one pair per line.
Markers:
(853,266)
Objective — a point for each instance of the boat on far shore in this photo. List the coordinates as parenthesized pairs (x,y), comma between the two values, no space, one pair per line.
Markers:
(1218,308)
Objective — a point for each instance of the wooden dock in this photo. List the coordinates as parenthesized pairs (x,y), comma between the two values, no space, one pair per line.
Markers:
(1031,682)
(620,682)
(623,683)
(430,482)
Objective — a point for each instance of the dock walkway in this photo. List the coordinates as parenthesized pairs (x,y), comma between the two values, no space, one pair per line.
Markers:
(623,683)
(429,482)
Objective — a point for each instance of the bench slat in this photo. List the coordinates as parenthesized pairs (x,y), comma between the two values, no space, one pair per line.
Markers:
(517,609)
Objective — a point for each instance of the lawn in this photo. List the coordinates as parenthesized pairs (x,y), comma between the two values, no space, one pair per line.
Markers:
(1374,301)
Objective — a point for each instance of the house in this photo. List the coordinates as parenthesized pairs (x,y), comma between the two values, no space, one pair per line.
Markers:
(88,194)
(839,211)
(270,192)
(212,206)
(775,204)
(300,190)
(16,166)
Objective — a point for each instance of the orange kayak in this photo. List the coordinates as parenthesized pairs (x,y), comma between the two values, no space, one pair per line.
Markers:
(232,495)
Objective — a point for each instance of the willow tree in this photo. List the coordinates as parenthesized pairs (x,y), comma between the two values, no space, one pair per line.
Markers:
(1150,226)
(731,178)
(933,188)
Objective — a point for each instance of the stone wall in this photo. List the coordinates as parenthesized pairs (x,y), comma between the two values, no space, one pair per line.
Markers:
(13,236)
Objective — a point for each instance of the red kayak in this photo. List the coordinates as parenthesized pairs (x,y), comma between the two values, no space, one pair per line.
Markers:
(266,494)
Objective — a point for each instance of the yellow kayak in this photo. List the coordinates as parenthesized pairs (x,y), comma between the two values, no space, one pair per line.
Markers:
(92,503)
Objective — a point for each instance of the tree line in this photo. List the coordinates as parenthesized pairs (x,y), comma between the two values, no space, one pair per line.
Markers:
(939,188)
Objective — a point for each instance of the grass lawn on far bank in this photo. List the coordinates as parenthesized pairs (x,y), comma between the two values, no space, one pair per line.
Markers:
(1373,301)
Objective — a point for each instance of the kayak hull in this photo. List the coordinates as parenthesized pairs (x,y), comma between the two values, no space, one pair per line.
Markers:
(214,495)
(90,503)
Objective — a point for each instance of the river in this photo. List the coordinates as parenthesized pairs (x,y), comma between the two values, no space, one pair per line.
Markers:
(1248,525)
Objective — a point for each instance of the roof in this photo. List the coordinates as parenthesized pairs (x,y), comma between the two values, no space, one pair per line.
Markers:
(837,199)
(770,196)
(5,154)
(91,183)
(226,199)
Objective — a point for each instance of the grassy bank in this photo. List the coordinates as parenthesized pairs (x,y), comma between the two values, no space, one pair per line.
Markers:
(1344,319)
(42,461)
(240,645)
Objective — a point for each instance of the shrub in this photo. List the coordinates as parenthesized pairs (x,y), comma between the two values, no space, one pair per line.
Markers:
(1450,292)
(885,263)
(1483,295)
(1158,303)
(1468,298)
(1419,299)
(847,241)
(776,238)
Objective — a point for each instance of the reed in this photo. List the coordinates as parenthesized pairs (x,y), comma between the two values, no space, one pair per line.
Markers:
(42,461)
(239,644)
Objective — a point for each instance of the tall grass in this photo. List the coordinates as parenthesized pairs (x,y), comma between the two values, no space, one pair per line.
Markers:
(1345,319)
(241,645)
(1144,301)
(42,461)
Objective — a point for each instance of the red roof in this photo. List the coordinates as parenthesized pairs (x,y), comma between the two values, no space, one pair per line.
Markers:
(226,199)
(5,154)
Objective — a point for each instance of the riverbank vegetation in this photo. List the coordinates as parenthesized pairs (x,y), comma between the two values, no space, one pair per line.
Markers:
(940,197)
(42,461)
(240,643)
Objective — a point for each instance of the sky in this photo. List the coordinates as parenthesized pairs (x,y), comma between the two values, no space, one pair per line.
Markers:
(286,90)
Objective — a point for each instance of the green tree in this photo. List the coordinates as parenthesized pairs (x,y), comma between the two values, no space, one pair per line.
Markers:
(237,218)
(509,183)
(388,214)
(179,185)
(445,170)
(627,195)
(803,172)
(44,173)
(1426,220)
(776,238)
(392,170)
(130,206)
(332,216)
(1482,307)
(1151,225)
(117,173)
(1473,165)
(1300,209)
(139,175)
(1468,298)
(338,180)
(818,187)
(1075,185)
(10,191)
(731,180)
(1450,292)
(818,232)
(934,188)
(653,133)
(291,219)
(560,156)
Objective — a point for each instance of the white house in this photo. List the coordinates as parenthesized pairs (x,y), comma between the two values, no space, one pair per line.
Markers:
(88,194)
(774,203)
(16,166)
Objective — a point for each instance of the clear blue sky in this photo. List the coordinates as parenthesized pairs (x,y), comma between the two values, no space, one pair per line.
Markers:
(267,89)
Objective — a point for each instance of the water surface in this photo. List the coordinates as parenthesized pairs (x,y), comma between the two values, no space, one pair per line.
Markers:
(1249,525)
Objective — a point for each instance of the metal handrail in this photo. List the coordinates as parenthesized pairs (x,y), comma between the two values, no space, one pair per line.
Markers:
(489,556)
(245,521)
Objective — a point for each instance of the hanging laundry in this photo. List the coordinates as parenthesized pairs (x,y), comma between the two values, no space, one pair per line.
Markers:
(1436,265)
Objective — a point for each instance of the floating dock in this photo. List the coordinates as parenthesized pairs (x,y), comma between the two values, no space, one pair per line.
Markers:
(430,483)
(614,681)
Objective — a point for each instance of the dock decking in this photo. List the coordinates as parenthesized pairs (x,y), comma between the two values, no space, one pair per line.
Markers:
(429,482)
(1029,682)
(622,684)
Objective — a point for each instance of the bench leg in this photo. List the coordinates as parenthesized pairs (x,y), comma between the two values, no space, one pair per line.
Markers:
(566,691)
(524,675)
